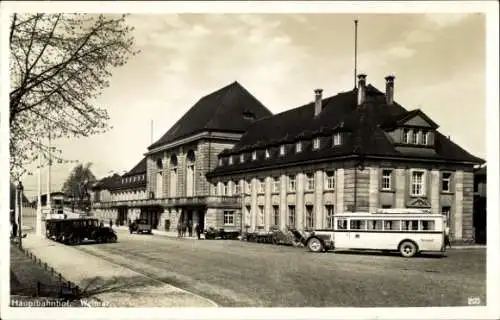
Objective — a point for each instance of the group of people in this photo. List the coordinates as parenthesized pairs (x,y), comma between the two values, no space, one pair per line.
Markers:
(186,227)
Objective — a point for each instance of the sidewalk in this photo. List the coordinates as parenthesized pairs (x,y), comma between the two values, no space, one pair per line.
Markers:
(25,274)
(117,286)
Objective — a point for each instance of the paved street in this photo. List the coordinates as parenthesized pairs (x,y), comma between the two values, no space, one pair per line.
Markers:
(240,274)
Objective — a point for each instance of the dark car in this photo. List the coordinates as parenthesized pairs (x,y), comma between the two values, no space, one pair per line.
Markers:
(140,226)
(74,231)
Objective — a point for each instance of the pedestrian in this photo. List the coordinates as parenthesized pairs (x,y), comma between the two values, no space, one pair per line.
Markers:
(111,223)
(185,228)
(14,229)
(447,236)
(198,231)
(190,228)
(179,230)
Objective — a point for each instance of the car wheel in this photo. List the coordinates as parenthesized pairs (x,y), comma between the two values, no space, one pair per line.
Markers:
(408,249)
(315,245)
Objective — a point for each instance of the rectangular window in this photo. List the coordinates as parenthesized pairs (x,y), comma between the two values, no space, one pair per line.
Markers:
(298,147)
(291,216)
(267,153)
(282,150)
(406,136)
(409,225)
(230,160)
(357,224)
(262,186)
(276,185)
(446,211)
(329,216)
(427,225)
(261,216)
(242,158)
(386,206)
(446,182)
(424,138)
(342,224)
(316,143)
(310,181)
(386,179)
(254,155)
(291,183)
(417,183)
(309,217)
(220,162)
(276,215)
(228,217)
(392,225)
(330,180)
(248,189)
(375,224)
(337,139)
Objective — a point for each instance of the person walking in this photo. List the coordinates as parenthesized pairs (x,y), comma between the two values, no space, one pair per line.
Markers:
(111,223)
(447,236)
(179,230)
(190,228)
(198,231)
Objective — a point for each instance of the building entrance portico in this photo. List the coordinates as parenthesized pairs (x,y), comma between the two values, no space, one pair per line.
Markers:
(195,215)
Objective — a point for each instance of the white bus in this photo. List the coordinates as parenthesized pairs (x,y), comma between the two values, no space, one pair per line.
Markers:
(408,231)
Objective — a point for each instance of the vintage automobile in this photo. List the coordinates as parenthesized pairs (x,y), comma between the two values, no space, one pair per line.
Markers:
(76,230)
(140,226)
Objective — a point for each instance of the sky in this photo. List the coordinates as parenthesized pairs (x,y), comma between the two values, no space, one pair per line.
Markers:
(438,61)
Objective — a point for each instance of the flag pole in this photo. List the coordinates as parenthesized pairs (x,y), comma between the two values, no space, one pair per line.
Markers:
(355,52)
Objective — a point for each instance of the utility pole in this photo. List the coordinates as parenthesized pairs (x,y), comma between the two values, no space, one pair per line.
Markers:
(355,52)
(39,198)
(49,204)
(19,202)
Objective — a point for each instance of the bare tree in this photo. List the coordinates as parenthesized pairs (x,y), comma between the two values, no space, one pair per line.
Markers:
(77,185)
(59,65)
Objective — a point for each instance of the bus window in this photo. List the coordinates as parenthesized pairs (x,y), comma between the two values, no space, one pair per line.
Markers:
(427,225)
(342,224)
(392,225)
(410,225)
(375,224)
(357,224)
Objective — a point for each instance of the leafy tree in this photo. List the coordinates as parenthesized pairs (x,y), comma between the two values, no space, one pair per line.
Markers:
(59,65)
(77,185)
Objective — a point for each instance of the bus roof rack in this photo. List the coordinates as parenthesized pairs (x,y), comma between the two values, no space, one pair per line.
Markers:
(404,211)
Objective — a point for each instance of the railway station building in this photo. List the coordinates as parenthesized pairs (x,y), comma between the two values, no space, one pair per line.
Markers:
(230,163)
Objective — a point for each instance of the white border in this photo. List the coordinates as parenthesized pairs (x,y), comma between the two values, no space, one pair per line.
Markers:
(488,7)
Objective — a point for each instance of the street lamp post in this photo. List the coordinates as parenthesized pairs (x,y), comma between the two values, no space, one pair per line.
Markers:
(19,197)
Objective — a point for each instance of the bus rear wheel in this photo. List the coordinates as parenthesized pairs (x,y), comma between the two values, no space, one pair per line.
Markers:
(408,249)
(315,245)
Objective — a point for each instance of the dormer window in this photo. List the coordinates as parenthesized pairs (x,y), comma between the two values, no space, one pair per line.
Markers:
(406,136)
(254,155)
(424,137)
(267,153)
(242,158)
(230,160)
(337,139)
(298,147)
(414,137)
(220,161)
(282,150)
(316,143)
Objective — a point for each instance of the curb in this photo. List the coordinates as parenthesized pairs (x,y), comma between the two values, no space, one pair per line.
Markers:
(70,286)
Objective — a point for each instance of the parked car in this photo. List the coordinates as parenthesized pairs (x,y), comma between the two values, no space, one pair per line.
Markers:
(140,226)
(75,231)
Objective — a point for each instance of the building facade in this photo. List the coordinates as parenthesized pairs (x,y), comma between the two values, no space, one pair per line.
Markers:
(355,151)
(229,163)
(176,188)
(480,216)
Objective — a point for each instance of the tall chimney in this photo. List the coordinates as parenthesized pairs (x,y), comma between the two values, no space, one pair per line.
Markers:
(389,89)
(361,89)
(317,104)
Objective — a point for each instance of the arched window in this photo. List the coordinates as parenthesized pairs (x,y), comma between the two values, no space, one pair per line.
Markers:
(173,176)
(190,171)
(159,179)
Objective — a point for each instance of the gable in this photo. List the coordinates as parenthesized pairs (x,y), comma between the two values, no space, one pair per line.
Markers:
(417,121)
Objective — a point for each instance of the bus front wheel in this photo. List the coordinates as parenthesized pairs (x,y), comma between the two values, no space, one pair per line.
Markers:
(315,245)
(407,249)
